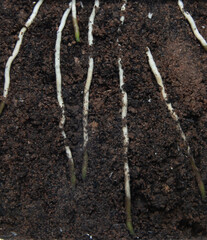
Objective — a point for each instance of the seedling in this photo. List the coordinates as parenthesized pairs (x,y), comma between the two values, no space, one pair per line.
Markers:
(86,91)
(15,53)
(75,21)
(193,25)
(176,118)
(59,92)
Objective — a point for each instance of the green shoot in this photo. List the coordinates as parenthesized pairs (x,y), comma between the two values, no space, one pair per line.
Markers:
(75,21)
(128,215)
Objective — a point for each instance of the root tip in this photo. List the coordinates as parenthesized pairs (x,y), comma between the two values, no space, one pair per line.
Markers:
(77,37)
(130,227)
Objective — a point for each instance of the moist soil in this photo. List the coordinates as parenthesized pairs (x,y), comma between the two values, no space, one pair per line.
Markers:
(37,200)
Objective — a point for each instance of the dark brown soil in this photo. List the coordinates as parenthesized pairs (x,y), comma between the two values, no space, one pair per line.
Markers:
(36,200)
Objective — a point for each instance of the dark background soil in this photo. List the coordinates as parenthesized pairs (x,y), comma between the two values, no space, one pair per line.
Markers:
(36,200)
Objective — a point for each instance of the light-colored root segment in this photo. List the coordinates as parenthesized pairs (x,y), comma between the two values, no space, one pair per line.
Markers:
(59,92)
(86,91)
(11,59)
(16,51)
(175,117)
(192,24)
(85,117)
(75,21)
(125,136)
(124,107)
(34,13)
(91,22)
(125,144)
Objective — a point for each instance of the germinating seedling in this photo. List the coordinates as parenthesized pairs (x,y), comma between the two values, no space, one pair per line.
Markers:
(75,21)
(193,25)
(15,53)
(176,118)
(125,137)
(59,92)
(86,91)
(72,6)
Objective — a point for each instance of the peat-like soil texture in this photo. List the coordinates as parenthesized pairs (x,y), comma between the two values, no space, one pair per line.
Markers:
(103,119)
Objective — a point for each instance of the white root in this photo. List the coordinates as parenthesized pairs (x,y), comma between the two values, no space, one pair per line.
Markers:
(125,136)
(74,9)
(86,102)
(124,108)
(91,22)
(125,145)
(124,129)
(87,89)
(164,94)
(176,118)
(10,60)
(17,48)
(34,13)
(123,8)
(160,83)
(193,25)
(59,89)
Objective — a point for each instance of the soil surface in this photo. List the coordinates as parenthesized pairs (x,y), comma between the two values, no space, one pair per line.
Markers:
(37,200)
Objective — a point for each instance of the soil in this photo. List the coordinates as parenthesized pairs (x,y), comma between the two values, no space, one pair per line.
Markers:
(37,200)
